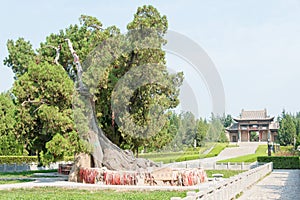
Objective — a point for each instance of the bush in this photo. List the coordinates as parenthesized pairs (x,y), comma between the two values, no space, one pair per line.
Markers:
(281,162)
(18,159)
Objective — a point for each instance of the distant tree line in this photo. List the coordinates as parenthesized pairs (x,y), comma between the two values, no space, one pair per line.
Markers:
(289,129)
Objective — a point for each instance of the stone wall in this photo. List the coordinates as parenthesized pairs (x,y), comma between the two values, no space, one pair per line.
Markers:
(27,167)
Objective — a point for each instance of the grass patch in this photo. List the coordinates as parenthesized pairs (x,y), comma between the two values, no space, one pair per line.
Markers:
(238,195)
(169,157)
(232,145)
(226,173)
(60,193)
(216,150)
(189,154)
(24,174)
(14,181)
(286,148)
(178,157)
(260,151)
(246,158)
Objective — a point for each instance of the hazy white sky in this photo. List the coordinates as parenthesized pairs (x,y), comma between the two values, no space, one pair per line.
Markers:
(254,44)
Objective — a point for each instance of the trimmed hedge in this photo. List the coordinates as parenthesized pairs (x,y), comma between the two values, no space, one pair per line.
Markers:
(18,159)
(281,162)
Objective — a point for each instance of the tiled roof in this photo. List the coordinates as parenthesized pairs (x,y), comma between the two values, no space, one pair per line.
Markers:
(254,115)
(233,126)
(251,115)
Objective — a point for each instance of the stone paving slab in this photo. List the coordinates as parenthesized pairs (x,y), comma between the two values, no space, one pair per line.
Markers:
(280,184)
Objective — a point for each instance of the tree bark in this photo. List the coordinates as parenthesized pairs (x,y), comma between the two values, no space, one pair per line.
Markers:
(57,49)
(104,152)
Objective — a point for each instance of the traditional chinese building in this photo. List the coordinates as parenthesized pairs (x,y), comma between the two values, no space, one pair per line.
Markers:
(253,126)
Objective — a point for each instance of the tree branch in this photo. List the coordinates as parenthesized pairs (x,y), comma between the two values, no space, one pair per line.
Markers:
(76,61)
(31,101)
(57,49)
(96,26)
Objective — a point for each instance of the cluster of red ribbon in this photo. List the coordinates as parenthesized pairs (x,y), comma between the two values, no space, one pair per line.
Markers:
(119,178)
(88,175)
(182,177)
(94,175)
(191,177)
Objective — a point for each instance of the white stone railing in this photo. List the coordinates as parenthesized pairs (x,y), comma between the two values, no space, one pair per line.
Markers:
(28,167)
(217,166)
(228,189)
(230,166)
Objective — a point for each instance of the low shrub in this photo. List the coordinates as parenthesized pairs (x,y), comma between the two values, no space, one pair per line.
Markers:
(18,159)
(281,162)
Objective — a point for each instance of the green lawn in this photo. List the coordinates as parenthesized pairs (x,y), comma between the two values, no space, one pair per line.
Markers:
(190,154)
(260,151)
(74,194)
(169,157)
(226,173)
(14,181)
(286,148)
(216,150)
(232,145)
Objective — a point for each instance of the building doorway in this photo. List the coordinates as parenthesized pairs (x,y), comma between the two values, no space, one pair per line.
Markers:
(234,138)
(254,136)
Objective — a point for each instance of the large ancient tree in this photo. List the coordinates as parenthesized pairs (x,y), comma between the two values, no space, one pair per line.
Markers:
(122,87)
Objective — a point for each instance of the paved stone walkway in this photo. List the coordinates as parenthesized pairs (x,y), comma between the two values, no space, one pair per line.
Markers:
(280,184)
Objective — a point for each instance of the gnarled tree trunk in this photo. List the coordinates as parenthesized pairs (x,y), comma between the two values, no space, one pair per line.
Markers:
(104,152)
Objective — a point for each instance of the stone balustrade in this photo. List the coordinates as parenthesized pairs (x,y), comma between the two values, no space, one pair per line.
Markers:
(28,167)
(228,189)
